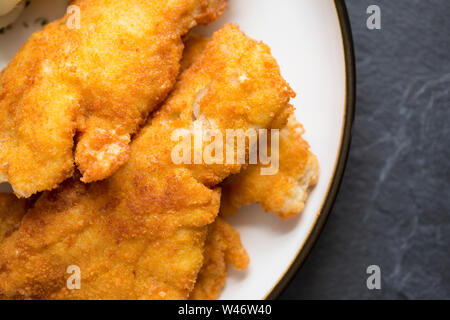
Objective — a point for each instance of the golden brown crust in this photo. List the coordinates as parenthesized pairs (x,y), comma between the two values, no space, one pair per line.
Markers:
(98,82)
(11,212)
(140,234)
(194,45)
(232,89)
(223,247)
(284,193)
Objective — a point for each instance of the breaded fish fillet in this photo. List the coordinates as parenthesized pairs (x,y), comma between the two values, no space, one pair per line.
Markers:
(76,93)
(140,234)
(284,193)
(223,247)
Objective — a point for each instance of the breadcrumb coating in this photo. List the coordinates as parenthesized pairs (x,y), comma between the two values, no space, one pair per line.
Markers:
(223,247)
(76,94)
(141,233)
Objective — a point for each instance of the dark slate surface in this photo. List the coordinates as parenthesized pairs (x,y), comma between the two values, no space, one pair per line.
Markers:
(393,209)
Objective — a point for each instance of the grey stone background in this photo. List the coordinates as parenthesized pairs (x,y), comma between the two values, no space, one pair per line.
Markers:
(393,209)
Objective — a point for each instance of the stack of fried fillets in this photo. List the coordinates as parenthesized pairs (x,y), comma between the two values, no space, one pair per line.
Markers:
(87,117)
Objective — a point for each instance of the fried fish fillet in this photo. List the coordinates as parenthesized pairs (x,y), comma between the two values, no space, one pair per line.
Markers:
(284,193)
(78,92)
(223,247)
(140,234)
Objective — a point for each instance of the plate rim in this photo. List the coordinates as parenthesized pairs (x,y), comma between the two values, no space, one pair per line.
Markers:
(341,163)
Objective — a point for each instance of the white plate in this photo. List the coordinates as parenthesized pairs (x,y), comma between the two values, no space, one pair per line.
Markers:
(306,39)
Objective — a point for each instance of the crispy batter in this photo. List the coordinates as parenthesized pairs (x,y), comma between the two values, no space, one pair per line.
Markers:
(11,212)
(223,247)
(259,90)
(284,193)
(194,45)
(140,234)
(95,84)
